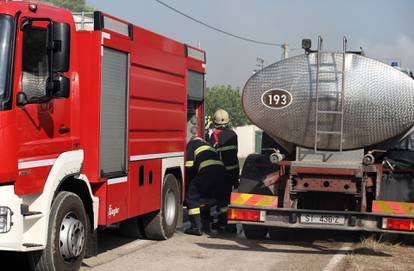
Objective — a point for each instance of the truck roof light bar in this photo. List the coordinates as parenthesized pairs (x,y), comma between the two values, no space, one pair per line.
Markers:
(33,7)
(194,53)
(102,21)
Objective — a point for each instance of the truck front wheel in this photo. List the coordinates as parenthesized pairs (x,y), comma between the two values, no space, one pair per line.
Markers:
(66,239)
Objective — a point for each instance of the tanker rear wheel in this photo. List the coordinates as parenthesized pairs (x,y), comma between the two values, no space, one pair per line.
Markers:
(280,234)
(252,176)
(132,228)
(161,225)
(255,232)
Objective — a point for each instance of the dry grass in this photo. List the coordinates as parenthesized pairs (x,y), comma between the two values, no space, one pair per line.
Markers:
(378,254)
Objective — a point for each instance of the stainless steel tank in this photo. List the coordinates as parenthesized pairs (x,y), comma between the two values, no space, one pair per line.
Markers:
(375,103)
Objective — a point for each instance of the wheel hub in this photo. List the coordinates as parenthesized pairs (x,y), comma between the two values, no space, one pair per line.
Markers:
(169,207)
(71,237)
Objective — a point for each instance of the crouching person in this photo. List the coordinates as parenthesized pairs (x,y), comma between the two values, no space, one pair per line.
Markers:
(204,172)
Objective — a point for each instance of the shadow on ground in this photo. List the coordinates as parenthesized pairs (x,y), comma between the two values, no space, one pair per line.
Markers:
(318,242)
(109,239)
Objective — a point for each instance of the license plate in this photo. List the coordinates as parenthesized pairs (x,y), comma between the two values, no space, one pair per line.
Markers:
(322,219)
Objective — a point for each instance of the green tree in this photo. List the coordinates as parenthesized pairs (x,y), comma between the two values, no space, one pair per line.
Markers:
(74,5)
(227,98)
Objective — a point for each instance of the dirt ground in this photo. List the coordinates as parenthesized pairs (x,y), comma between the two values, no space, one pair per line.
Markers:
(380,254)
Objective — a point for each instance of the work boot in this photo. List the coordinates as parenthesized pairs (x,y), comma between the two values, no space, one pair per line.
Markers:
(195,228)
(205,219)
(221,223)
(205,226)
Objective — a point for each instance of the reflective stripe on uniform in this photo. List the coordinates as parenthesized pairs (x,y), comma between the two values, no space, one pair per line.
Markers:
(189,163)
(227,148)
(210,163)
(194,211)
(232,167)
(203,148)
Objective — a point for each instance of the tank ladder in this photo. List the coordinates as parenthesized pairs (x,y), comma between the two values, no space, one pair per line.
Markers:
(339,112)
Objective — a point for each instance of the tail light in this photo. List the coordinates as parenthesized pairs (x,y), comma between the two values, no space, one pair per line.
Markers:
(246,215)
(398,224)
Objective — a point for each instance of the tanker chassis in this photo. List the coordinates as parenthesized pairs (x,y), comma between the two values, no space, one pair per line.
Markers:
(321,176)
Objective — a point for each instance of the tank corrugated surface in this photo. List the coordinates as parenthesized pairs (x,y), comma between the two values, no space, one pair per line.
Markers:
(378,101)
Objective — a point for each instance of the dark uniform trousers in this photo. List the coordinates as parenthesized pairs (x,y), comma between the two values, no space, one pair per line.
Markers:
(204,173)
(205,185)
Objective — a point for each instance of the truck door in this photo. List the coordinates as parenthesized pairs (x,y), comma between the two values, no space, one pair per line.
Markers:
(43,125)
(195,100)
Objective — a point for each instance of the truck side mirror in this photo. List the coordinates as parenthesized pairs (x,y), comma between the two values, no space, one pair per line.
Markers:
(61,86)
(21,99)
(61,47)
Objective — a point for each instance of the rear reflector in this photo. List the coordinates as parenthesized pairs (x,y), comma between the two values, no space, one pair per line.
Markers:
(245,215)
(398,224)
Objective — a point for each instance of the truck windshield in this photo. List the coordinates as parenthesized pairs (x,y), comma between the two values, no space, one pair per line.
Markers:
(6,25)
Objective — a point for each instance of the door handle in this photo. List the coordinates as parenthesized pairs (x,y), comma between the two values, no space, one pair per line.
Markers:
(63,130)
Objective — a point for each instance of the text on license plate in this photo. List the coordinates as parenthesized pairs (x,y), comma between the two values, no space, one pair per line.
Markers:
(322,219)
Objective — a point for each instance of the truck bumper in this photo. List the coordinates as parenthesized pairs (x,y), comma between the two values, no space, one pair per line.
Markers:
(291,218)
(15,238)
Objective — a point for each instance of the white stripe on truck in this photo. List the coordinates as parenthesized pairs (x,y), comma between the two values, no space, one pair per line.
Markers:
(37,163)
(117,180)
(156,156)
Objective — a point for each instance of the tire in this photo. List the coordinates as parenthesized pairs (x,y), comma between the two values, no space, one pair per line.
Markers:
(67,223)
(132,228)
(161,225)
(280,234)
(255,232)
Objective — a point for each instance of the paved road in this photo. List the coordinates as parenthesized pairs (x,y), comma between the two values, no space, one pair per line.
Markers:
(219,252)
(211,252)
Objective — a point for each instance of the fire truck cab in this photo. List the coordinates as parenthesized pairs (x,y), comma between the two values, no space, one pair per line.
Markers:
(94,114)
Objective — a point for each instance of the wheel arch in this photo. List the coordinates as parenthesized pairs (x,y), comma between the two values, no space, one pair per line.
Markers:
(65,173)
(174,166)
(176,172)
(77,186)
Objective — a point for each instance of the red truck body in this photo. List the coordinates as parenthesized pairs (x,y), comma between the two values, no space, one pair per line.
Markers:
(113,141)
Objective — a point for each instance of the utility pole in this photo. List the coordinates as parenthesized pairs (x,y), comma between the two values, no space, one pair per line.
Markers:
(285,48)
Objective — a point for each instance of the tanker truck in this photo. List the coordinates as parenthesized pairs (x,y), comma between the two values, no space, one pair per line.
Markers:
(337,147)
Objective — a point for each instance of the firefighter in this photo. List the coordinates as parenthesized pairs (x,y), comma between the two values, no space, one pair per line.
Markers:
(224,140)
(203,170)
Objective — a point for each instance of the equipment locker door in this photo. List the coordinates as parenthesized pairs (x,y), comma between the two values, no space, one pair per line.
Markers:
(114,127)
(114,108)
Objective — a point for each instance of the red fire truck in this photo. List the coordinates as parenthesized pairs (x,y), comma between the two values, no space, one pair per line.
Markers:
(94,116)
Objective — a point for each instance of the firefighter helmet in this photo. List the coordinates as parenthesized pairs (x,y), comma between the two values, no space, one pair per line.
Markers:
(221,117)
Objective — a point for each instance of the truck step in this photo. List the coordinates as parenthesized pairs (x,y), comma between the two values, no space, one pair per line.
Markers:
(30,245)
(32,213)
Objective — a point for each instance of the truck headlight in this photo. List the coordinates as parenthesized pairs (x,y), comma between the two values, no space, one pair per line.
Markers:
(5,219)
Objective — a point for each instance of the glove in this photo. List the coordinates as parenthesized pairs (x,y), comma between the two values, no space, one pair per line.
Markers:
(236,185)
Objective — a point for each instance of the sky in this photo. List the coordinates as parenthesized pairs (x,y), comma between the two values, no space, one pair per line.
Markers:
(383,28)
